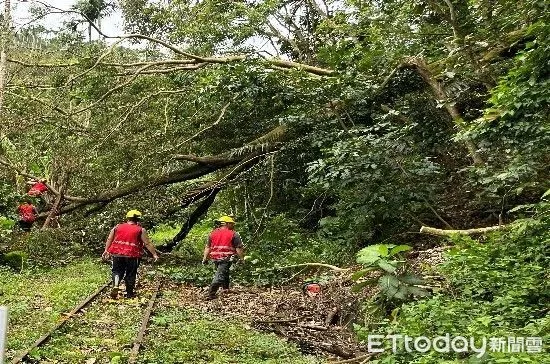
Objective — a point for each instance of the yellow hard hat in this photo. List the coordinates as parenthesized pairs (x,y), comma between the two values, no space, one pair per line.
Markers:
(226,219)
(133,213)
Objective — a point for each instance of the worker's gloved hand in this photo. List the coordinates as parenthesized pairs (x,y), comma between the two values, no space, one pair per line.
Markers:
(204,262)
(106,255)
(155,258)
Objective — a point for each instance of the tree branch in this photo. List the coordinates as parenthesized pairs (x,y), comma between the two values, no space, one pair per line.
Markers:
(323,265)
(200,211)
(55,208)
(182,175)
(441,232)
(423,70)
(28,175)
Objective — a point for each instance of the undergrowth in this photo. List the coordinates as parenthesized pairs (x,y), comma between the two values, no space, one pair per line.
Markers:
(498,288)
(36,297)
(183,335)
(280,243)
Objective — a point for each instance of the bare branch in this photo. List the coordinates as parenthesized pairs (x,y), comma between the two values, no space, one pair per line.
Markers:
(441,232)
(40,101)
(424,71)
(318,9)
(131,110)
(192,58)
(111,91)
(220,117)
(177,176)
(19,171)
(42,65)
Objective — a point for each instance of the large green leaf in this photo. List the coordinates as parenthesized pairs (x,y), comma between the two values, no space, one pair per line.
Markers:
(399,249)
(401,293)
(389,285)
(387,266)
(372,253)
(411,279)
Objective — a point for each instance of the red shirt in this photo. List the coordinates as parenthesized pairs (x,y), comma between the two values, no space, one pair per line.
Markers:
(27,212)
(37,189)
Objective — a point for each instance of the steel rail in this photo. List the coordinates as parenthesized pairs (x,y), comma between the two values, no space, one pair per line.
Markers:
(141,334)
(63,320)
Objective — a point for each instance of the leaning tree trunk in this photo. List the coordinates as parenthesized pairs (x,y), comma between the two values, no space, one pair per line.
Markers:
(199,212)
(441,94)
(52,216)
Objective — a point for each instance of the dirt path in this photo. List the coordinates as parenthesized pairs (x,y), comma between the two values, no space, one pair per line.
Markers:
(319,325)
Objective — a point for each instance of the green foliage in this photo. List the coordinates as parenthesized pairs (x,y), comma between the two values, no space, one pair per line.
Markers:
(184,334)
(379,179)
(371,152)
(281,243)
(162,234)
(8,200)
(52,247)
(195,273)
(37,297)
(497,288)
(6,227)
(515,127)
(92,8)
(394,282)
(14,259)
(284,243)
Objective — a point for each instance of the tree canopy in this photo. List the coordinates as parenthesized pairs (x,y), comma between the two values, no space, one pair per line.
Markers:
(324,126)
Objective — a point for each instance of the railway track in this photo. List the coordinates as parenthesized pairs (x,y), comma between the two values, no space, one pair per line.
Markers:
(97,294)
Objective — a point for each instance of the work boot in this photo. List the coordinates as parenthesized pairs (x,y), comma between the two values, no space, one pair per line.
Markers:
(114,293)
(130,295)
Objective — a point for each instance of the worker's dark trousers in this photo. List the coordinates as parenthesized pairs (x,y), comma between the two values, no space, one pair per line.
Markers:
(221,278)
(125,268)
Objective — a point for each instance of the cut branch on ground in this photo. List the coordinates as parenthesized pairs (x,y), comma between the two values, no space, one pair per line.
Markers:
(475,231)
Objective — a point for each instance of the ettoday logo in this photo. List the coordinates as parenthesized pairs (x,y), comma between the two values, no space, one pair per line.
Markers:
(456,344)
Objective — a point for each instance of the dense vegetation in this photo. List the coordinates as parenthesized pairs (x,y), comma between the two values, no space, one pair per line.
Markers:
(323,126)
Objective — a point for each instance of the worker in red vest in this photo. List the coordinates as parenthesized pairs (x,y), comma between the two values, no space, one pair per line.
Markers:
(27,215)
(125,245)
(222,246)
(37,188)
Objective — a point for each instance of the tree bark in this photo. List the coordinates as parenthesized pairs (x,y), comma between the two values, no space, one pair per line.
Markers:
(441,232)
(199,212)
(440,93)
(58,201)
(241,162)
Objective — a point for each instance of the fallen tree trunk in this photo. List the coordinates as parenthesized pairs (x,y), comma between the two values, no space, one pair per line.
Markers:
(199,212)
(323,265)
(187,174)
(441,232)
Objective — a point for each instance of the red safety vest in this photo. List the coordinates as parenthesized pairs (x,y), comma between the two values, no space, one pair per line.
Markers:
(26,213)
(37,189)
(127,241)
(221,244)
